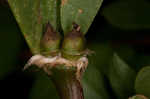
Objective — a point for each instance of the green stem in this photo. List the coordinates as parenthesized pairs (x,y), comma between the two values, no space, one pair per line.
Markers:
(68,86)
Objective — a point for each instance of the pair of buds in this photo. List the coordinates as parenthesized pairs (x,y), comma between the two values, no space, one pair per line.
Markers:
(73,43)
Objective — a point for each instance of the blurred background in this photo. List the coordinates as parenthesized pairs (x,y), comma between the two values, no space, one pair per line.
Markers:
(121,26)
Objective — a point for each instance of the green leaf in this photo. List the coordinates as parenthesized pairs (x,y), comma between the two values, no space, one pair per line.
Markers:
(94,85)
(93,79)
(121,77)
(81,12)
(126,52)
(43,88)
(102,54)
(128,14)
(10,43)
(142,83)
(31,16)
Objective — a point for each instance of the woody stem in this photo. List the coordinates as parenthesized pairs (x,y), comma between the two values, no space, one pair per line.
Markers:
(67,85)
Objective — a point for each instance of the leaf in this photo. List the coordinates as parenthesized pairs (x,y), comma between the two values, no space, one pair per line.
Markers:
(126,52)
(81,12)
(93,79)
(102,54)
(31,16)
(43,88)
(94,85)
(121,77)
(142,83)
(10,41)
(128,14)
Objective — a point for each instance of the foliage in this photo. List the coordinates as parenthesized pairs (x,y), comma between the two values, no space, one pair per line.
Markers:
(81,12)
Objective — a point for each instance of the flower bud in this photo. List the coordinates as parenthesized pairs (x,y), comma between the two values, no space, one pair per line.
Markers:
(74,43)
(50,43)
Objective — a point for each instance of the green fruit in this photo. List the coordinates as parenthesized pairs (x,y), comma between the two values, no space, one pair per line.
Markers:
(74,43)
(50,42)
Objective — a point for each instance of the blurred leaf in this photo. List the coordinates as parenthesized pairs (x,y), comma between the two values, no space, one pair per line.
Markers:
(81,12)
(127,53)
(93,80)
(31,15)
(94,85)
(130,14)
(132,57)
(102,54)
(142,83)
(10,41)
(121,77)
(43,88)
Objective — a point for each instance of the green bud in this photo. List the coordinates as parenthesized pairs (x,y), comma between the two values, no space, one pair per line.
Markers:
(50,43)
(74,43)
